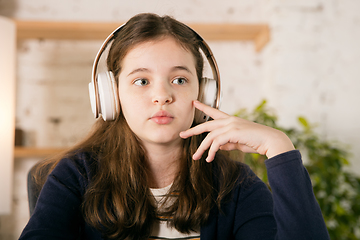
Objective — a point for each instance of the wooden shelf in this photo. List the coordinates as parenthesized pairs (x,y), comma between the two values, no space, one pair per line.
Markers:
(258,33)
(27,152)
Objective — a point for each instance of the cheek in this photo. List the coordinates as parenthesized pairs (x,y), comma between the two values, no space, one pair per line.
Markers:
(189,109)
(192,96)
(127,106)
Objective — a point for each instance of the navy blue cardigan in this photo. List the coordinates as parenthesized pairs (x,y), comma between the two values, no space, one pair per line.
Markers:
(289,212)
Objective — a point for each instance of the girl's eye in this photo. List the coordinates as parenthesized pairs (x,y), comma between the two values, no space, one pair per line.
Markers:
(179,81)
(141,82)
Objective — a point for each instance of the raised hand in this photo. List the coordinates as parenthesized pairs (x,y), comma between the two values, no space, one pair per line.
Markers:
(229,133)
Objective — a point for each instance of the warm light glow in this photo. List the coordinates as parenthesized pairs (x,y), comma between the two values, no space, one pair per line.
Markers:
(7,111)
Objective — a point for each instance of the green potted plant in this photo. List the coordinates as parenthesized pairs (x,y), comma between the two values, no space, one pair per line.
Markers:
(337,190)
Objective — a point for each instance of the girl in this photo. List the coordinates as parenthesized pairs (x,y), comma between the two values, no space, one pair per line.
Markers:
(153,173)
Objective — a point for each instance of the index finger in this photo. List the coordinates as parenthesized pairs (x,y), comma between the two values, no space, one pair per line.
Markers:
(212,112)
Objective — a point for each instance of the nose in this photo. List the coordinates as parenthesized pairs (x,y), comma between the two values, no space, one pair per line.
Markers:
(162,94)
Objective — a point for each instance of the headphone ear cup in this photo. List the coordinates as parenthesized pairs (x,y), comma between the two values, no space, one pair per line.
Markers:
(108,96)
(207,94)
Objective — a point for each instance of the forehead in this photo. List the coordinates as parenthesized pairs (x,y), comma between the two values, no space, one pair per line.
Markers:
(166,51)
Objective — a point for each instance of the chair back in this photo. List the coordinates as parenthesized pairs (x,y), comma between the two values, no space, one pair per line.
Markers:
(33,189)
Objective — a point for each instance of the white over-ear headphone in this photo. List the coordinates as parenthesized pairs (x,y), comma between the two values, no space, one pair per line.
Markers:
(103,91)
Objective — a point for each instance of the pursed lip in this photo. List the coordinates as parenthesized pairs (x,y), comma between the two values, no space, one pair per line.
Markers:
(162,114)
(162,117)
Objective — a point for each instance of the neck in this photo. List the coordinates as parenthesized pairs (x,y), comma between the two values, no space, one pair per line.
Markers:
(163,164)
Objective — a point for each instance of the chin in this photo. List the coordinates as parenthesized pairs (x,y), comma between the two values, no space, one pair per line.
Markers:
(163,139)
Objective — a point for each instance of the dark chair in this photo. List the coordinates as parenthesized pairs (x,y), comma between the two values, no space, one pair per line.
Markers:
(33,188)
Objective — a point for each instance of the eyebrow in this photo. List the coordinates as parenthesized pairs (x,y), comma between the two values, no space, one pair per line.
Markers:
(182,68)
(139,70)
(175,68)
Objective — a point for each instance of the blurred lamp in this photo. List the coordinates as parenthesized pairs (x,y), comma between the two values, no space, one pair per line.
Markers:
(7,111)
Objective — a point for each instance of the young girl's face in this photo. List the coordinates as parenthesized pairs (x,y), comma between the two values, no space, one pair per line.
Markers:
(157,86)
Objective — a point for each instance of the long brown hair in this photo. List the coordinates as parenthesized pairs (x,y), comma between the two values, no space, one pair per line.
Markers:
(118,200)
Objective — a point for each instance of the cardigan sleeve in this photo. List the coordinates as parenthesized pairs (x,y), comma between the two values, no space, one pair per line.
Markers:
(57,212)
(296,211)
(290,211)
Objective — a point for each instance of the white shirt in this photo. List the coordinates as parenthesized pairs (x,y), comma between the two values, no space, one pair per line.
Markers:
(161,230)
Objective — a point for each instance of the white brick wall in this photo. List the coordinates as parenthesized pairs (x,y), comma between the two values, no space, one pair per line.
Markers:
(311,67)
(53,106)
